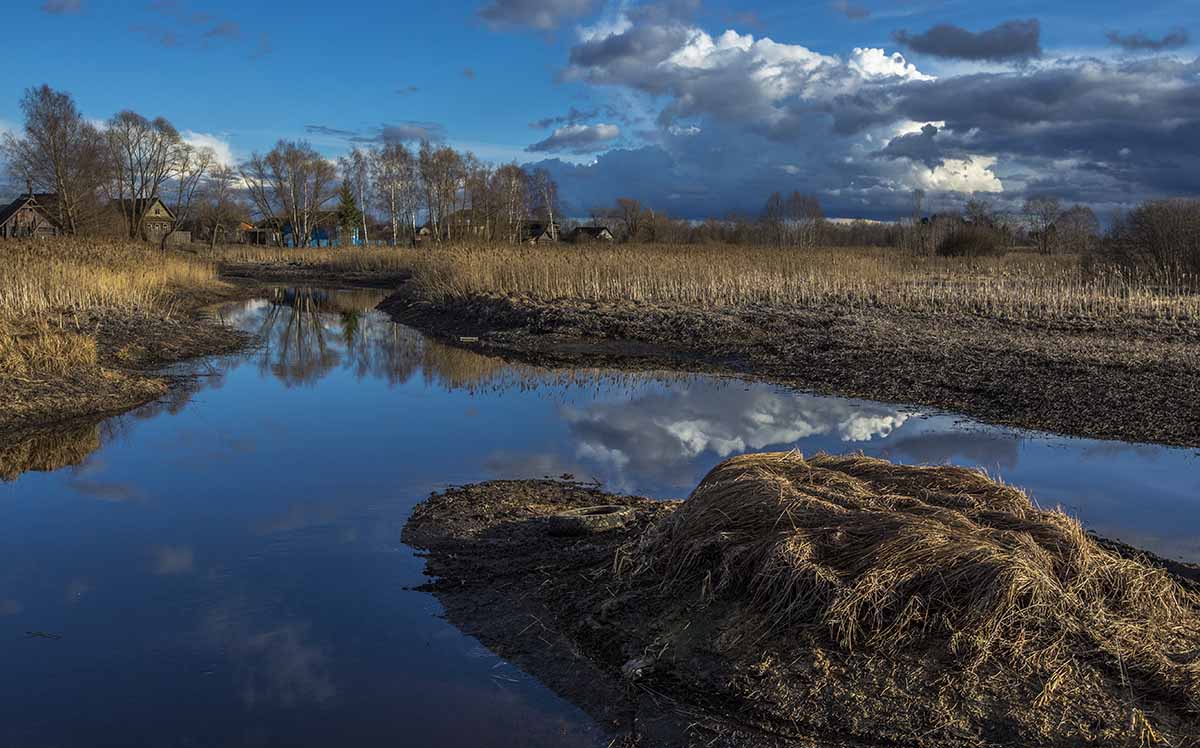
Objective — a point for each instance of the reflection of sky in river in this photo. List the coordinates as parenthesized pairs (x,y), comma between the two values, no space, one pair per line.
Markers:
(226,568)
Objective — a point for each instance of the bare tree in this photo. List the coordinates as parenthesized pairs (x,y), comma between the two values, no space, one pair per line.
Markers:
(291,183)
(979,212)
(397,191)
(1043,213)
(190,166)
(143,154)
(630,212)
(1077,229)
(509,184)
(804,215)
(59,152)
(441,172)
(218,202)
(544,192)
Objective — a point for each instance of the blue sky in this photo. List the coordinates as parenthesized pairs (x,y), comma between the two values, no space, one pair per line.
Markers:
(648,98)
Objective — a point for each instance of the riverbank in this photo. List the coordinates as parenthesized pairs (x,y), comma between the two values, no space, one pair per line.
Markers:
(1125,378)
(87,325)
(692,625)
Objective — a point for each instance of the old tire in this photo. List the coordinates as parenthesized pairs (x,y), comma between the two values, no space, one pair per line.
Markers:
(589,520)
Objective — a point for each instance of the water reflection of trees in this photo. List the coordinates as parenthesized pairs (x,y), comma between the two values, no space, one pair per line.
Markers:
(307,334)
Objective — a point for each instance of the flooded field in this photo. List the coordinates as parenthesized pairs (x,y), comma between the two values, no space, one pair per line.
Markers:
(236,551)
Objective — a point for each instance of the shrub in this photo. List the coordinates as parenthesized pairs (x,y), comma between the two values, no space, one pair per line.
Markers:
(971,241)
(1159,239)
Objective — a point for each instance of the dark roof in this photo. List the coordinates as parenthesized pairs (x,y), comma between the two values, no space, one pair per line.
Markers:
(38,201)
(593,231)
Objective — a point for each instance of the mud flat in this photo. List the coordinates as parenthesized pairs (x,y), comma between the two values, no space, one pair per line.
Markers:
(833,601)
(1125,381)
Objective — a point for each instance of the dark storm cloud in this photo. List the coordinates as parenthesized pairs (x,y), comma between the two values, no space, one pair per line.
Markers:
(863,130)
(537,14)
(918,146)
(1140,42)
(1012,40)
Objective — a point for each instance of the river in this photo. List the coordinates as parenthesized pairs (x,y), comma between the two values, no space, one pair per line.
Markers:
(224,568)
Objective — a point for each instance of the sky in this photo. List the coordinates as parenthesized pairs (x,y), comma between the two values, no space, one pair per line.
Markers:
(695,107)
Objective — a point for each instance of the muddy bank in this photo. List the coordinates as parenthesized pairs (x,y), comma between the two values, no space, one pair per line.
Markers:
(1130,382)
(131,350)
(673,654)
(300,274)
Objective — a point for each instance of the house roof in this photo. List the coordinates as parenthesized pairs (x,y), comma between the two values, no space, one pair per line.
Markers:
(143,204)
(38,201)
(591,230)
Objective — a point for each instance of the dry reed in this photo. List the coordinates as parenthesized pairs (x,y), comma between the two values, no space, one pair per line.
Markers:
(1015,286)
(885,557)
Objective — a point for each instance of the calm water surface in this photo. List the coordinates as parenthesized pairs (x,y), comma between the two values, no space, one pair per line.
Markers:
(225,569)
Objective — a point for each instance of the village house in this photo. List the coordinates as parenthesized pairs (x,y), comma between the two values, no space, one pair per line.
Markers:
(30,215)
(158,220)
(539,232)
(589,234)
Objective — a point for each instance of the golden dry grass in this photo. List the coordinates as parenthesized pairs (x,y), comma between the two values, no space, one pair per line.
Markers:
(43,283)
(885,557)
(355,259)
(1015,286)
(1018,286)
(45,278)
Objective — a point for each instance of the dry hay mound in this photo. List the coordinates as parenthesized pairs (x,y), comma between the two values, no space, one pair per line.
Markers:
(885,557)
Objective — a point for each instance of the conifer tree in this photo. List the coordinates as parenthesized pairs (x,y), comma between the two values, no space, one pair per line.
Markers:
(348,214)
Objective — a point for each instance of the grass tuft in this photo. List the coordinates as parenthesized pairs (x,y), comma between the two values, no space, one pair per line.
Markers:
(884,557)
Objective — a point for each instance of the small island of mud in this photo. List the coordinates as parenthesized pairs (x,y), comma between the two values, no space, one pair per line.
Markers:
(833,601)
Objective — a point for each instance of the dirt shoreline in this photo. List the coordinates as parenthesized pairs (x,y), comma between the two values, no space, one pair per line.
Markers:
(1133,382)
(554,607)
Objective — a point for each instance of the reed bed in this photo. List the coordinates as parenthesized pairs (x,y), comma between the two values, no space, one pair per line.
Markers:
(883,557)
(1020,286)
(354,259)
(46,285)
(41,279)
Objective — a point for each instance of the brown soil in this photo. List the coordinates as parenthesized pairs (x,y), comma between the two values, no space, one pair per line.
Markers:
(661,665)
(1132,382)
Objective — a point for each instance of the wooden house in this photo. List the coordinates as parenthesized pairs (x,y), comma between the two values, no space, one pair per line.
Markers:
(157,219)
(539,232)
(28,216)
(588,234)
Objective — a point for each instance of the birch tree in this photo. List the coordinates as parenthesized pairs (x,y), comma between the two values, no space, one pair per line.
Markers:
(509,185)
(396,187)
(290,184)
(544,191)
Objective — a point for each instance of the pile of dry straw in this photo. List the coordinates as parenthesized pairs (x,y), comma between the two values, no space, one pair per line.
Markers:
(886,558)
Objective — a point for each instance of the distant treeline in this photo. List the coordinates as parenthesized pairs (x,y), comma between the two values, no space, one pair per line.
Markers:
(104,179)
